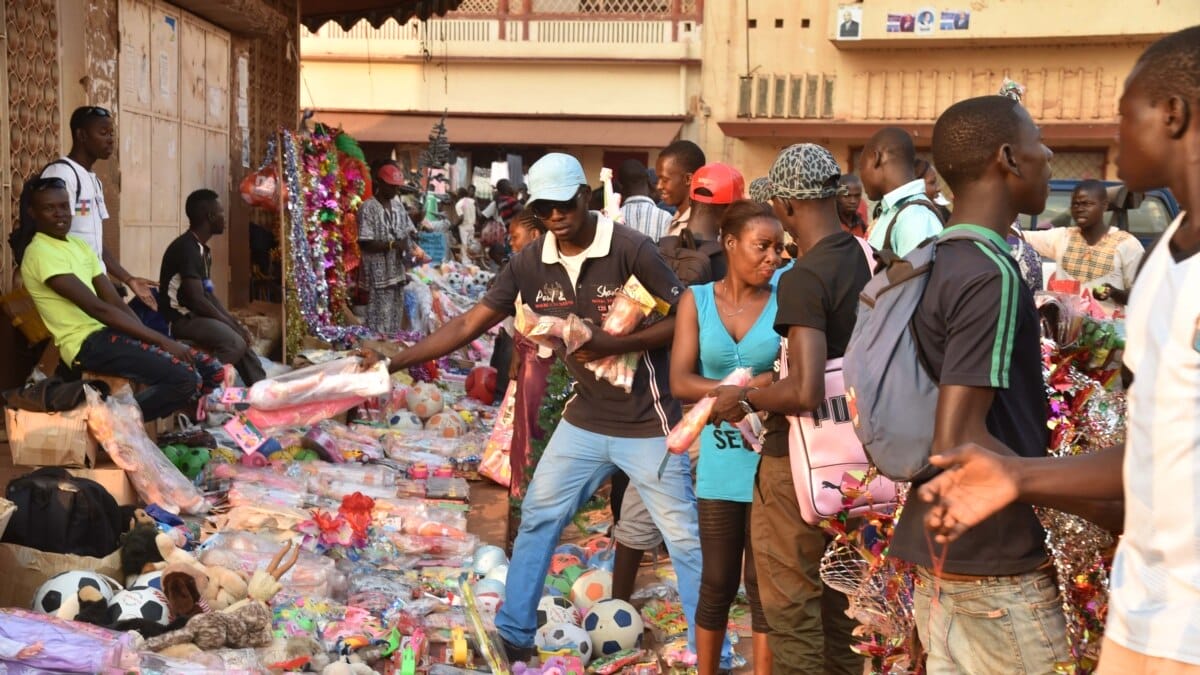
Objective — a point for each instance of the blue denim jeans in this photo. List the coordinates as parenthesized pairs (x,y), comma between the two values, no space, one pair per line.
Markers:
(573,466)
(1002,625)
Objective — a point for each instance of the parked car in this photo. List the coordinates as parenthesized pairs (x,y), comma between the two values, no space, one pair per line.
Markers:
(1144,215)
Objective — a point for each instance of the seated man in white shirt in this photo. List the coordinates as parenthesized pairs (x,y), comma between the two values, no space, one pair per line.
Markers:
(907,217)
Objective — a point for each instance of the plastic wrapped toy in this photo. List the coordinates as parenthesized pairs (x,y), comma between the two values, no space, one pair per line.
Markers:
(116,424)
(303,415)
(312,575)
(632,304)
(338,379)
(35,643)
(689,428)
(552,332)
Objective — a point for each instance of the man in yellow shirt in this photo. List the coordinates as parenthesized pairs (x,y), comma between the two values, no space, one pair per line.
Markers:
(94,330)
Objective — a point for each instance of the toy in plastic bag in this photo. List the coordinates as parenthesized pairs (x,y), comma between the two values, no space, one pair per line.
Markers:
(304,415)
(339,379)
(116,424)
(35,643)
(558,334)
(632,304)
(495,463)
(244,552)
(261,189)
(689,428)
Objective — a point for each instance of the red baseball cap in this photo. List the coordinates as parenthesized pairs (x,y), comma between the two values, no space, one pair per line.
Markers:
(717,183)
(392,175)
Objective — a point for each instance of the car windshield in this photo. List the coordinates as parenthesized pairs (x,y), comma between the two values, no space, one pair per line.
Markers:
(1147,221)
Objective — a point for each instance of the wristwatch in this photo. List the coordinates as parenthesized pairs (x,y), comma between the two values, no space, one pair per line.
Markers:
(744,401)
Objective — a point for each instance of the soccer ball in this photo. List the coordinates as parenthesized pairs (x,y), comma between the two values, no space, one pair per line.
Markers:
(557,637)
(499,573)
(590,588)
(553,610)
(133,604)
(50,595)
(566,556)
(481,384)
(613,625)
(602,560)
(448,424)
(147,580)
(405,421)
(487,558)
(493,586)
(425,400)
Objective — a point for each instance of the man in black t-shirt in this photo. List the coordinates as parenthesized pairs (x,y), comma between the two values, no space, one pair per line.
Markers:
(817,308)
(194,312)
(578,267)
(977,332)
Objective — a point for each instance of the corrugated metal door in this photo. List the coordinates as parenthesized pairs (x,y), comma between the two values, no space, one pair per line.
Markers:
(174,129)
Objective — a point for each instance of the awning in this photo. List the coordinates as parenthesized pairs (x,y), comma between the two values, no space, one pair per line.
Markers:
(553,131)
(346,13)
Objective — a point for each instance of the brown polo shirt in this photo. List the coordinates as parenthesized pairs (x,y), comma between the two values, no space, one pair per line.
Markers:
(616,253)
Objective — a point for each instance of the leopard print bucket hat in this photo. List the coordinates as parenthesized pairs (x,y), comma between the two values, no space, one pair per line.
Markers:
(804,171)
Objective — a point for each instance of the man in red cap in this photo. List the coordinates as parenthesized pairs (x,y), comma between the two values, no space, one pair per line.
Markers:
(695,252)
(385,234)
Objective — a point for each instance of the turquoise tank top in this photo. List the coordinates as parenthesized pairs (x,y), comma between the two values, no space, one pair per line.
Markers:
(726,467)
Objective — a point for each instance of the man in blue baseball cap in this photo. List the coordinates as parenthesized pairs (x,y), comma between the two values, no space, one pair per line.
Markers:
(578,267)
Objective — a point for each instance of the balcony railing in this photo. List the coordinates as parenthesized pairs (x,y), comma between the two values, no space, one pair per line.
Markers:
(594,22)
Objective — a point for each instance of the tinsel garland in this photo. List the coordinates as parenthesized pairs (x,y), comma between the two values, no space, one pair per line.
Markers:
(308,296)
(1085,416)
(878,587)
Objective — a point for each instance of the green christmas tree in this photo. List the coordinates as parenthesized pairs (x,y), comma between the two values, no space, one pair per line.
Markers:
(438,152)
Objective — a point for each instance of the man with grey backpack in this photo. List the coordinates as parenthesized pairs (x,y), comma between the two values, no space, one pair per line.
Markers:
(945,352)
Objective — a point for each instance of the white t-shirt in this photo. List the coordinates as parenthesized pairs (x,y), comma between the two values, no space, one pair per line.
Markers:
(90,211)
(1155,592)
(465,208)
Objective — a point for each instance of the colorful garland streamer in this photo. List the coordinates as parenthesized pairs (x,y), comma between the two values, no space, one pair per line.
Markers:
(310,306)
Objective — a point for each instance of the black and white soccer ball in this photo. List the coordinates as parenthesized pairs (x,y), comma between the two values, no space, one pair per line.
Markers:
(553,609)
(558,637)
(139,604)
(614,625)
(50,595)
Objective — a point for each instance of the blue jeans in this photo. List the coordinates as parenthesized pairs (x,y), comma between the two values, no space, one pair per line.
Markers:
(574,465)
(1001,625)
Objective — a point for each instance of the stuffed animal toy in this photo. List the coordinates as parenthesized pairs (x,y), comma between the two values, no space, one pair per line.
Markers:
(224,586)
(244,624)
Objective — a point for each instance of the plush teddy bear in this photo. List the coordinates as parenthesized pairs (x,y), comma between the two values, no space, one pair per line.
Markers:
(244,624)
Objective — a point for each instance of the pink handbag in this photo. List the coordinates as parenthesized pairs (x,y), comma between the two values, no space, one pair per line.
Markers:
(823,448)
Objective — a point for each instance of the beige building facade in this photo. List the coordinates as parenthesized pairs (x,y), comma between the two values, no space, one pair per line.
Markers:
(743,78)
(603,79)
(776,72)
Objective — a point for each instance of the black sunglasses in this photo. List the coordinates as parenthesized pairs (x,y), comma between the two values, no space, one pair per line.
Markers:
(96,111)
(544,208)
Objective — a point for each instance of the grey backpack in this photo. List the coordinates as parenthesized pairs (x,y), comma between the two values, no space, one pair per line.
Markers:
(891,396)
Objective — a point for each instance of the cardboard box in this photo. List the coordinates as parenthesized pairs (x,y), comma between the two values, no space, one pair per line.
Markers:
(50,439)
(25,569)
(265,321)
(107,474)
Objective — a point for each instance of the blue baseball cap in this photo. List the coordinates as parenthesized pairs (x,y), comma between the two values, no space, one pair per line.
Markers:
(554,178)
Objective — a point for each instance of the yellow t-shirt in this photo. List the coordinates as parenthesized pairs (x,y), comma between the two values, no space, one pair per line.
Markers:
(48,257)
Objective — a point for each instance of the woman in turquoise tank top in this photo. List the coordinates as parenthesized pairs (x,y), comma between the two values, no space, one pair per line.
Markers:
(721,326)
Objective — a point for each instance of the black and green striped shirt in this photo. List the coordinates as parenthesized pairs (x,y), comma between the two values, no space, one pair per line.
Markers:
(977,326)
